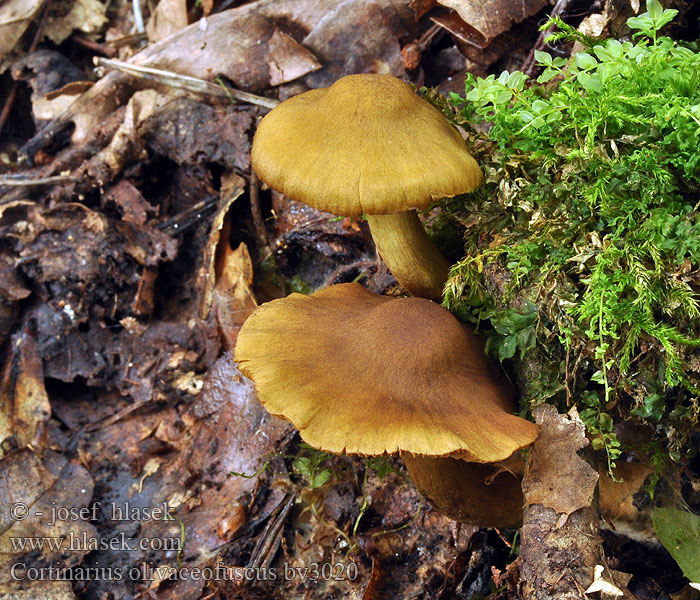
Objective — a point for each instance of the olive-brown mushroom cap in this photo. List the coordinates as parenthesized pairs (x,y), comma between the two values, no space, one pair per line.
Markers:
(366,145)
(366,374)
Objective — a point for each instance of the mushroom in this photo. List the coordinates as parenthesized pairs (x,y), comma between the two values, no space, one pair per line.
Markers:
(486,495)
(368,145)
(361,373)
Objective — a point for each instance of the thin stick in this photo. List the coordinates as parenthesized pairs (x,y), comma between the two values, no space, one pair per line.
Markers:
(254,194)
(108,51)
(11,181)
(530,65)
(184,82)
(138,17)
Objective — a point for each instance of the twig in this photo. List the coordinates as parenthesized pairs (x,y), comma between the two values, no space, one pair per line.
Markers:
(138,17)
(254,194)
(189,217)
(126,40)
(184,82)
(108,51)
(267,543)
(529,66)
(14,181)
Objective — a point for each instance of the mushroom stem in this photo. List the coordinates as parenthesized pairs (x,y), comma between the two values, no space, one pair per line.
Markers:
(410,255)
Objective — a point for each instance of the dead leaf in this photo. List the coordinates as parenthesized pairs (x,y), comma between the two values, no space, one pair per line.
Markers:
(15,17)
(36,489)
(185,130)
(232,297)
(617,497)
(471,43)
(168,17)
(88,16)
(130,201)
(559,478)
(24,404)
(357,36)
(491,17)
(602,586)
(45,71)
(286,62)
(232,44)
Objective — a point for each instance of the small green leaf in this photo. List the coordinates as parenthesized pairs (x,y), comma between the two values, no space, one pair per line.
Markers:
(544,58)
(319,479)
(507,348)
(598,377)
(654,9)
(679,532)
(585,61)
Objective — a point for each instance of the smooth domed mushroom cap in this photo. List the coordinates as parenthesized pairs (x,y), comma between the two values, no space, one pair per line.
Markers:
(361,373)
(366,145)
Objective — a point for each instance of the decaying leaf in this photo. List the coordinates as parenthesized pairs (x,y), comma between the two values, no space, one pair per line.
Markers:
(603,586)
(31,492)
(214,263)
(168,17)
(88,16)
(15,17)
(24,404)
(491,17)
(559,478)
(560,543)
(234,44)
(368,34)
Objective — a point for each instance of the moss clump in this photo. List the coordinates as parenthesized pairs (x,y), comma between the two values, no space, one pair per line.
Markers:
(590,209)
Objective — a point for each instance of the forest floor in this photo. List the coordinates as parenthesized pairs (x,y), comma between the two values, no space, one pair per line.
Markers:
(135,459)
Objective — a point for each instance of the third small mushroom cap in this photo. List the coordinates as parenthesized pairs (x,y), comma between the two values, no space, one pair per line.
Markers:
(369,145)
(366,374)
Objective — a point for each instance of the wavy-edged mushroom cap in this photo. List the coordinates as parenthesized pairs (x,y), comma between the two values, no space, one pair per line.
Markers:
(366,374)
(366,145)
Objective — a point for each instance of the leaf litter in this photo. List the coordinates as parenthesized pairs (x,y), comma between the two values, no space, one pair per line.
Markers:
(126,278)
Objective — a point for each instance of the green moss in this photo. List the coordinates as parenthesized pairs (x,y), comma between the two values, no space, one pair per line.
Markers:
(590,208)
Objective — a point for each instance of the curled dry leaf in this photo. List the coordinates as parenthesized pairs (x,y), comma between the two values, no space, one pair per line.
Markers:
(491,17)
(24,404)
(217,249)
(559,478)
(168,17)
(15,17)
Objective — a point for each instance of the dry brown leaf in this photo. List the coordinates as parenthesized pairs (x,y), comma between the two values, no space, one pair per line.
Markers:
(287,60)
(15,17)
(559,478)
(168,17)
(24,404)
(232,297)
(232,187)
(88,16)
(357,36)
(30,490)
(491,17)
(422,7)
(233,44)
